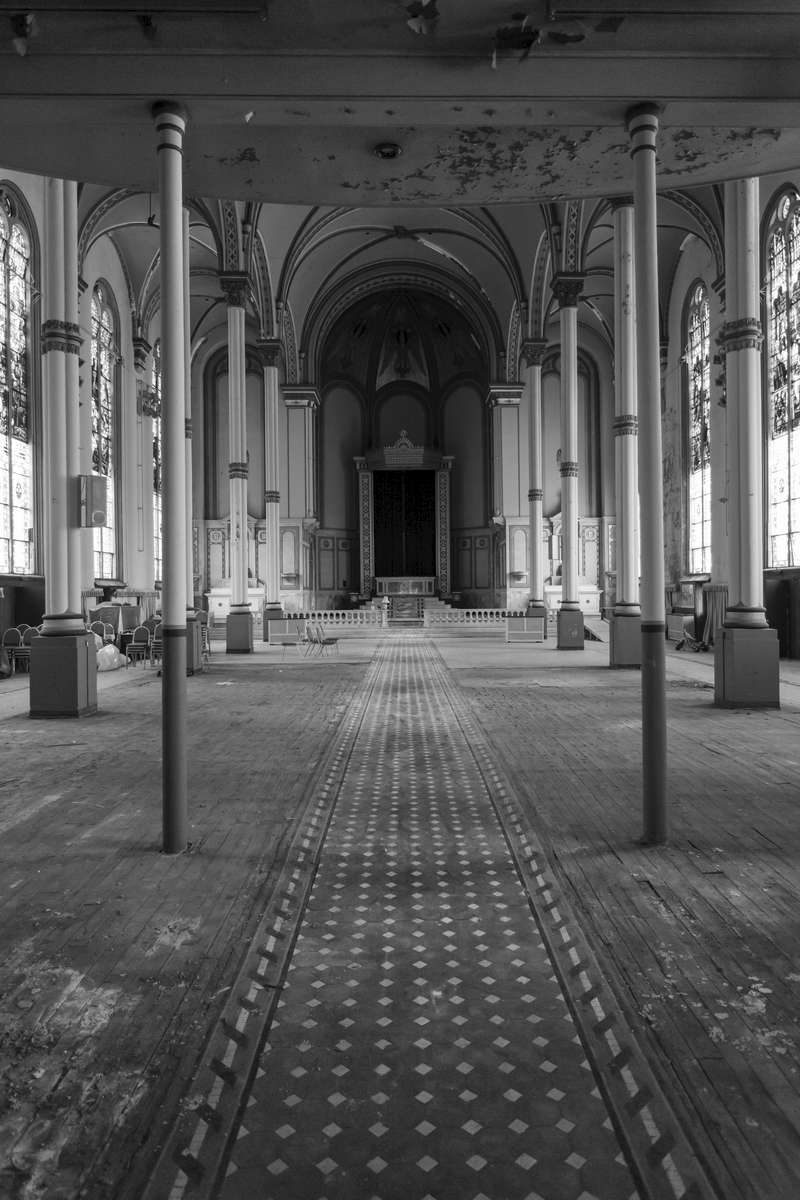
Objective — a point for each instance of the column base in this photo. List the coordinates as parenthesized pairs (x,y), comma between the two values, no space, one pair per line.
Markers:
(537,608)
(63,675)
(746,668)
(272,612)
(239,633)
(569,626)
(625,640)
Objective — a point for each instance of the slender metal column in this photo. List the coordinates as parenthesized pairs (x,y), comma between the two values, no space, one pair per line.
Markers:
(533,352)
(269,353)
(642,122)
(625,645)
(170,122)
(567,288)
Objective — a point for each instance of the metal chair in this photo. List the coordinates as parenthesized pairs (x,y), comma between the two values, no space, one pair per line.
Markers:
(138,648)
(324,641)
(12,644)
(156,646)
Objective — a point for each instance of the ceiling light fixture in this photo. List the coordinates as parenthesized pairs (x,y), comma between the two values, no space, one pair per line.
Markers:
(387,150)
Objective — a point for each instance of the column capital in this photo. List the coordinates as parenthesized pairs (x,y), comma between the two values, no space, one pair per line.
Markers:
(532,351)
(641,121)
(61,335)
(625,425)
(268,352)
(235,287)
(618,202)
(141,349)
(744,334)
(170,113)
(567,287)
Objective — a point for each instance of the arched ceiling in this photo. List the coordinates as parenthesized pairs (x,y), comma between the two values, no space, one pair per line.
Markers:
(488,102)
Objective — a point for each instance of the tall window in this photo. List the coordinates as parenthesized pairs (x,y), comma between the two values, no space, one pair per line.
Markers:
(698,351)
(158,563)
(16,451)
(783,384)
(104,375)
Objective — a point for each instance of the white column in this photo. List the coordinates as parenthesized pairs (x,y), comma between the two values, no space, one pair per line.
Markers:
(270,359)
(642,124)
(533,352)
(567,289)
(234,285)
(746,654)
(55,424)
(74,340)
(170,121)
(187,429)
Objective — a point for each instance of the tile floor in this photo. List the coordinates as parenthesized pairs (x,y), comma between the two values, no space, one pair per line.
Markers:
(422,1046)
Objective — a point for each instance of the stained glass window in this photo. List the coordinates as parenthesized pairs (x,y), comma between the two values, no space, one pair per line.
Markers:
(698,349)
(158,564)
(782,296)
(16,457)
(104,375)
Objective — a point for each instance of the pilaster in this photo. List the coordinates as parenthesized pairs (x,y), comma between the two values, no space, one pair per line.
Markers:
(567,288)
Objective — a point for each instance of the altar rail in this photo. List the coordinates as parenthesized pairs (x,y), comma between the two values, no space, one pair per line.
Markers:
(463,622)
(454,622)
(346,622)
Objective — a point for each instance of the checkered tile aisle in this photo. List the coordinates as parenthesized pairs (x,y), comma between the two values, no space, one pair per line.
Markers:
(422,1046)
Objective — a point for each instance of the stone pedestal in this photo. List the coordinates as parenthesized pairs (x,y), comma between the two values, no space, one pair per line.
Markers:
(625,641)
(746,668)
(194,644)
(272,612)
(63,675)
(239,633)
(570,629)
(537,608)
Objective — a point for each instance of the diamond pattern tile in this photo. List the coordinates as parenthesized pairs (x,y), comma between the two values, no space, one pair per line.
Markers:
(422,1047)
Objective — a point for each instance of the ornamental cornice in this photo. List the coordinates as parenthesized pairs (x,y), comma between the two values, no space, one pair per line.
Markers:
(568,470)
(61,335)
(744,334)
(297,395)
(532,351)
(235,288)
(500,394)
(626,424)
(567,287)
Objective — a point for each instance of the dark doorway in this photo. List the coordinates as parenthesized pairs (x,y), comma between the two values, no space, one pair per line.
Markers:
(405,522)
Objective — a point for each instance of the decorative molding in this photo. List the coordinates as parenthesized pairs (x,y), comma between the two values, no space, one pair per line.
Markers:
(238,470)
(501,394)
(567,287)
(625,424)
(187,428)
(148,402)
(230,229)
(532,351)
(235,288)
(568,470)
(403,453)
(744,334)
(61,335)
(535,494)
(272,497)
(300,396)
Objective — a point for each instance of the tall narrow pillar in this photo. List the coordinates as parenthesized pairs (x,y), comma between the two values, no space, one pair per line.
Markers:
(503,402)
(567,288)
(533,352)
(63,665)
(625,643)
(76,536)
(269,351)
(239,628)
(170,122)
(746,656)
(642,122)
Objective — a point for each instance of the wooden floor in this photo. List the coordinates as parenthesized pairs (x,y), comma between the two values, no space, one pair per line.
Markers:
(116,960)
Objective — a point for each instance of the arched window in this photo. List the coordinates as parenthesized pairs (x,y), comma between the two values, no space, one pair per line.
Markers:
(698,363)
(16,451)
(158,562)
(782,297)
(105,356)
